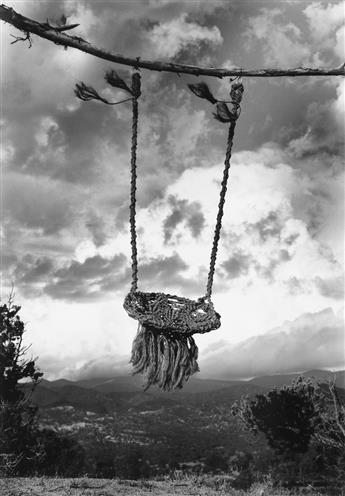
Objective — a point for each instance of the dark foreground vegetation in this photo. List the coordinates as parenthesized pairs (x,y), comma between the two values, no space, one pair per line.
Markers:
(239,437)
(186,485)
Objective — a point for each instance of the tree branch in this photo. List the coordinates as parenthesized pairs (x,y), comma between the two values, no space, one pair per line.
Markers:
(56,35)
(21,38)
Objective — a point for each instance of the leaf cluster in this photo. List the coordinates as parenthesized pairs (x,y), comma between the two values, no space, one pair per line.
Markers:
(87,93)
(223,112)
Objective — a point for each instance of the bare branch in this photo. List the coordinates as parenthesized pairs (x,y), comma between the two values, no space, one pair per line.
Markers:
(56,35)
(21,38)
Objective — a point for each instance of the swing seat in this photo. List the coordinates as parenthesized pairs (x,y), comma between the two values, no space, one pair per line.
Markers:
(173,314)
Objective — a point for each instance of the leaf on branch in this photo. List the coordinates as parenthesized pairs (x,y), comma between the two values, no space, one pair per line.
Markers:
(114,80)
(60,29)
(223,113)
(60,25)
(87,93)
(202,91)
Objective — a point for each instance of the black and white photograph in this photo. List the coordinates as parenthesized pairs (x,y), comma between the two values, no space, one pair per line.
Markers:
(172,248)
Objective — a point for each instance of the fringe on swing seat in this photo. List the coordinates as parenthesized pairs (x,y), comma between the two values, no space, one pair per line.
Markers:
(164,350)
(167,360)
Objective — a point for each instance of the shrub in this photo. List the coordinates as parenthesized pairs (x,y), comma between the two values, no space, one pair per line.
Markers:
(287,416)
(18,415)
(59,455)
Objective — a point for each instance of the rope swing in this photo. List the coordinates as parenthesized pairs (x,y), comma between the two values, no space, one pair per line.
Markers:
(164,349)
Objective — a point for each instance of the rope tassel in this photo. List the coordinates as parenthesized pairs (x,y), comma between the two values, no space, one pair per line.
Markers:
(167,360)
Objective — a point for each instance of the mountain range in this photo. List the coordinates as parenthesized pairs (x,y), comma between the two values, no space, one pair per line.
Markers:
(107,393)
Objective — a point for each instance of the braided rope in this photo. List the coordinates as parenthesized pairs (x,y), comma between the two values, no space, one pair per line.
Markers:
(236,98)
(220,210)
(132,206)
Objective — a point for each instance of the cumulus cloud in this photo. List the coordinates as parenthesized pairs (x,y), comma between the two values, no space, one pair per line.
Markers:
(267,227)
(73,281)
(30,270)
(37,203)
(285,43)
(324,128)
(80,281)
(167,272)
(311,341)
(237,264)
(111,365)
(183,212)
(282,42)
(68,366)
(168,38)
(97,227)
(324,20)
(92,278)
(331,288)
(266,235)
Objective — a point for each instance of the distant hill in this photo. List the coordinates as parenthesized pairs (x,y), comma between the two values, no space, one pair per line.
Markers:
(130,383)
(56,384)
(44,396)
(103,395)
(224,396)
(107,395)
(287,379)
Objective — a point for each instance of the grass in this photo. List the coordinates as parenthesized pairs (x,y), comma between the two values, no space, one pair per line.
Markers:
(176,486)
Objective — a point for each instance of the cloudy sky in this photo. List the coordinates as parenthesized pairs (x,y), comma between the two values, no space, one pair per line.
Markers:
(65,184)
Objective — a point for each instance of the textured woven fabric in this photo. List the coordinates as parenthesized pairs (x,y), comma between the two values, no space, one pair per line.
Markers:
(172,314)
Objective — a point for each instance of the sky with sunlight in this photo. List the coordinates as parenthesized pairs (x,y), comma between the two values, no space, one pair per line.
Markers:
(65,184)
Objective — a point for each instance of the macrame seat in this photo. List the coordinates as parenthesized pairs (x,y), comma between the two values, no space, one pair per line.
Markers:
(164,349)
(171,313)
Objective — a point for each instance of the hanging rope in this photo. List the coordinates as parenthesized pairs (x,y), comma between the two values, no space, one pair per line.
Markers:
(132,207)
(220,211)
(236,97)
